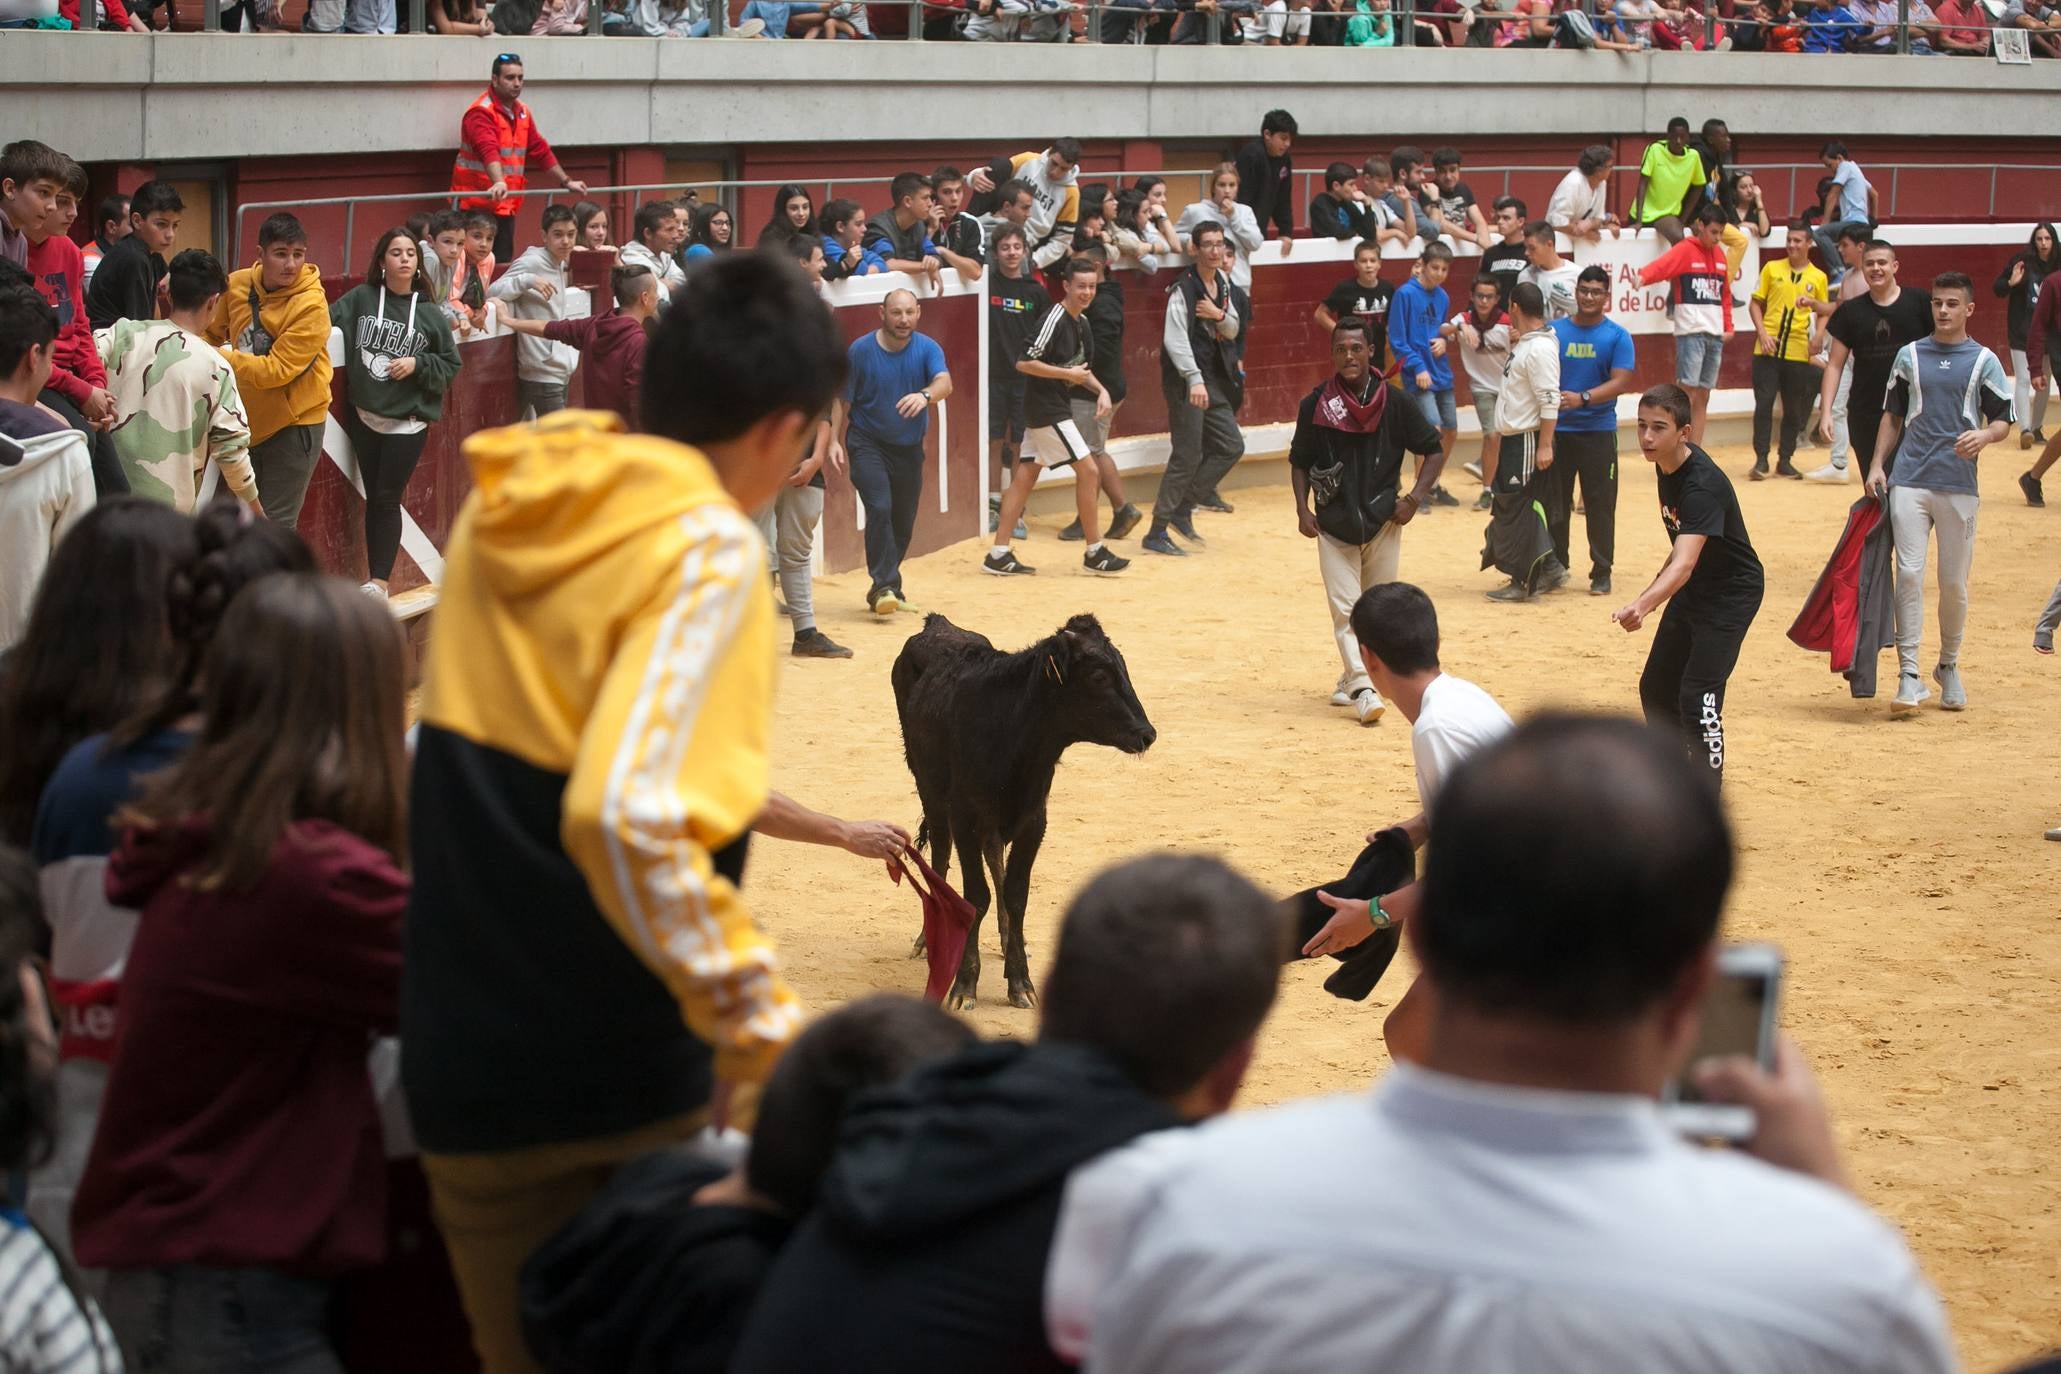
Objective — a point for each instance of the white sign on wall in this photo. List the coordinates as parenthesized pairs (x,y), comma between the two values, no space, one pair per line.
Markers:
(1643,309)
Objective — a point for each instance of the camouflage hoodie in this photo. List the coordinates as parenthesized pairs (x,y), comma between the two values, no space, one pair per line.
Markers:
(177,408)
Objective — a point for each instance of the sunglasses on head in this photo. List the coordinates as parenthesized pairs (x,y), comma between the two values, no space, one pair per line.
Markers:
(506,57)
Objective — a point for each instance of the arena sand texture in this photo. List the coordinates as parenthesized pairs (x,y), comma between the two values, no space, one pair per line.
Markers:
(1899,864)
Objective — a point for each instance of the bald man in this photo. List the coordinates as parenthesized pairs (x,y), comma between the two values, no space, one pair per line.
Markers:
(895,375)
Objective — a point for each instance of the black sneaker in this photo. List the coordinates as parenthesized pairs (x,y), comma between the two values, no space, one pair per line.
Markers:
(1485,501)
(1213,502)
(1005,563)
(1760,469)
(1072,533)
(1785,468)
(1441,497)
(813,643)
(1184,525)
(1510,591)
(1599,585)
(1123,522)
(1552,577)
(2030,485)
(1103,561)
(1158,542)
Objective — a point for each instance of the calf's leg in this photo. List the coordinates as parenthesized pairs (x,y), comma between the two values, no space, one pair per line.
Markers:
(937,828)
(966,986)
(1015,902)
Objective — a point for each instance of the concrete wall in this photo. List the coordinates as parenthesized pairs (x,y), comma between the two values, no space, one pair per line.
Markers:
(133,98)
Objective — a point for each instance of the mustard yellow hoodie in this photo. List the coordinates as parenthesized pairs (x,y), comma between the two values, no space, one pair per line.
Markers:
(287,382)
(596,703)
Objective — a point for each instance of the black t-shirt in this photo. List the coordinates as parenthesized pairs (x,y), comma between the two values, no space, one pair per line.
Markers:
(1503,261)
(1697,498)
(1014,304)
(1453,204)
(1059,341)
(962,235)
(1875,334)
(1370,303)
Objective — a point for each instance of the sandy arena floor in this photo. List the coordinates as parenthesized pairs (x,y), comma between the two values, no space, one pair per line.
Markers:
(1900,865)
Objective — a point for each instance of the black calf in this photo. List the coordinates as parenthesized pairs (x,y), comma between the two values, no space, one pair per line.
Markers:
(983,731)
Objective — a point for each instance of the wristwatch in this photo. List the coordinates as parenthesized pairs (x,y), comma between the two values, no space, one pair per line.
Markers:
(1585,398)
(1381,919)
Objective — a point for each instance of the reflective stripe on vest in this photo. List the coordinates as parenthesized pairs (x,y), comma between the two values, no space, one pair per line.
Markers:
(468,173)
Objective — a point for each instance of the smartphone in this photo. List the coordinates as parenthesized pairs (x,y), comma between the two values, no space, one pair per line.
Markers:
(1739,1018)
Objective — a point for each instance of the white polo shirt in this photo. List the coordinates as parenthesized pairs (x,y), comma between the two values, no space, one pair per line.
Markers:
(1455,719)
(1445,1226)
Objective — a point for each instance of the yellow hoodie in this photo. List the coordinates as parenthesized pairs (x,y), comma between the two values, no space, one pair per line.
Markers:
(289,383)
(596,705)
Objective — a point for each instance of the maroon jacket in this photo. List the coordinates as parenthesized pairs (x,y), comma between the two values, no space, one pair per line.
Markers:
(2044,325)
(614,345)
(239,1128)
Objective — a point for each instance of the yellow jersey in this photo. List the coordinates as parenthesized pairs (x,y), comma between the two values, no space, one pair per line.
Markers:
(1786,322)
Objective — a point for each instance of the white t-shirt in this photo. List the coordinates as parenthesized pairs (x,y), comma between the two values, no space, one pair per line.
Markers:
(1456,719)
(1575,199)
(1556,285)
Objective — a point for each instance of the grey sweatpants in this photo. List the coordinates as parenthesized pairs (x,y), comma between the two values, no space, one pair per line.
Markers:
(789,525)
(2050,620)
(283,464)
(1206,444)
(1915,513)
(540,398)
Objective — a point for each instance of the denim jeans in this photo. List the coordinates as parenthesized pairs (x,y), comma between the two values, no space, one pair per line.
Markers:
(1827,236)
(776,14)
(889,480)
(193,1320)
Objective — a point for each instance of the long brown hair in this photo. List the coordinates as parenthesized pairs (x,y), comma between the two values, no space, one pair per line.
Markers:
(303,698)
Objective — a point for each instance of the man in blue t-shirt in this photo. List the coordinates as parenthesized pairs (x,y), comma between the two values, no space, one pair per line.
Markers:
(1596,362)
(1948,399)
(895,376)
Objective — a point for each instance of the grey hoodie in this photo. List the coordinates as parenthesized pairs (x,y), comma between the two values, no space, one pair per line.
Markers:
(537,360)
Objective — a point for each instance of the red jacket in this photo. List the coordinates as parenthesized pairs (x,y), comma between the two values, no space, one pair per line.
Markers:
(2046,317)
(239,1128)
(480,136)
(60,272)
(117,13)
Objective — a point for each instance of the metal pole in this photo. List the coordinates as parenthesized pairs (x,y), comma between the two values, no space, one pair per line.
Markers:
(1903,26)
(915,34)
(1213,33)
(1992,211)
(718,18)
(595,10)
(350,226)
(1408,37)
(418,17)
(1895,174)
(211,16)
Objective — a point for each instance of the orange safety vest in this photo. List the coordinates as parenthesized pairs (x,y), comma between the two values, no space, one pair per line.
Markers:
(470,174)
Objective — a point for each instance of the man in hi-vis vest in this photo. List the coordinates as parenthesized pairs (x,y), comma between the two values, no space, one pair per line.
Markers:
(498,146)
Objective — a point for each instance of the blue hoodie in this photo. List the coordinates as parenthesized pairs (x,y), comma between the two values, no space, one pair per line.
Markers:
(1414,315)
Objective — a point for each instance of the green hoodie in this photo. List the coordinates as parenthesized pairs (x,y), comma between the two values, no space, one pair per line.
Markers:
(379,326)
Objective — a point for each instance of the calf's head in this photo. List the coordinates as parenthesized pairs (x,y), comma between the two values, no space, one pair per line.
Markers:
(1090,686)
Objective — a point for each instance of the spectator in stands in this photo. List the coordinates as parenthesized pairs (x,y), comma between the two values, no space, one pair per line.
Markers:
(108,15)
(657,229)
(809,254)
(591,222)
(2043,21)
(128,287)
(1671,176)
(1416,191)
(273,327)
(443,262)
(1785,27)
(894,376)
(464,17)
(1419,307)
(1596,364)
(77,389)
(1786,336)
(180,407)
(266,864)
(113,222)
(793,216)
(1052,178)
(1703,309)
(1133,239)
(1203,383)
(1098,208)
(1745,209)
(31,175)
(1266,178)
(1547,270)
(1829,26)
(844,252)
(1015,303)
(1242,234)
(1578,207)
(1851,200)
(1568,993)
(1340,210)
(711,232)
(500,148)
(476,269)
(43,493)
(534,287)
(928,1246)
(2020,284)
(549,1042)
(954,229)
(48,1321)
(900,235)
(87,642)
(1278,25)
(611,343)
(1963,28)
(1156,216)
(1481,335)
(1364,297)
(1457,208)
(75,829)
(400,360)
(699,1238)
(1395,216)
(1012,205)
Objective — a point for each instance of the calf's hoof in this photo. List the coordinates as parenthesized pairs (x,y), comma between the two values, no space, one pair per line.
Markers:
(1021,993)
(917,950)
(961,997)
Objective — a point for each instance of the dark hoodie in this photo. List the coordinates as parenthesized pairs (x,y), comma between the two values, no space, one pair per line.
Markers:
(928,1249)
(2018,314)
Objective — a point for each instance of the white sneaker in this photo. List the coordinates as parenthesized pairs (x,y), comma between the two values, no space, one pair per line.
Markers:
(1909,694)
(373,589)
(1831,472)
(1341,698)
(1952,695)
(2055,833)
(750,28)
(1368,702)
(1472,470)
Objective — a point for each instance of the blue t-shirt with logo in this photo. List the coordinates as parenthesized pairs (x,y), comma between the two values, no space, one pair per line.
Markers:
(877,379)
(1588,354)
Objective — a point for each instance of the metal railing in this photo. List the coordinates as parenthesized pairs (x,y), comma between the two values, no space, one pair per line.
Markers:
(1308,181)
